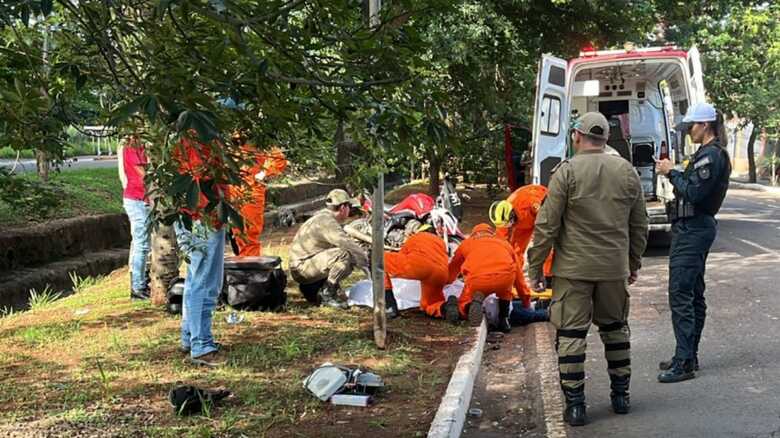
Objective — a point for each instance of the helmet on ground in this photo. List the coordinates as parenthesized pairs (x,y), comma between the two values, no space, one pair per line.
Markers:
(175,296)
(501,213)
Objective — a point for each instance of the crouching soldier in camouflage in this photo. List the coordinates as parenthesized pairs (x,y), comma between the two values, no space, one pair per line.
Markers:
(594,217)
(322,254)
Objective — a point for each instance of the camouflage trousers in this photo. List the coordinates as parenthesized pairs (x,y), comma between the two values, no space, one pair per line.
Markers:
(575,304)
(333,265)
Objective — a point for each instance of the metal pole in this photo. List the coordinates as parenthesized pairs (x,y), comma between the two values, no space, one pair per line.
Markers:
(378,231)
(378,263)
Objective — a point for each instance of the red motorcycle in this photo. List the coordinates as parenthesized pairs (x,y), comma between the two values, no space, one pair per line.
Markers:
(404,218)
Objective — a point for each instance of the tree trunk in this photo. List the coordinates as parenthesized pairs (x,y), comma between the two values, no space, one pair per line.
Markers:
(750,156)
(434,168)
(165,263)
(343,169)
(42,164)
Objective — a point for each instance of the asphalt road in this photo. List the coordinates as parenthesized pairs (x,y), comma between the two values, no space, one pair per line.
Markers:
(737,391)
(89,162)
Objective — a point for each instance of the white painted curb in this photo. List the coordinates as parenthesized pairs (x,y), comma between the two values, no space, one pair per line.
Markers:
(552,399)
(451,415)
(754,187)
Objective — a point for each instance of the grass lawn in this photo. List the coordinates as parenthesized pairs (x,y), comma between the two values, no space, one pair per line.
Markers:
(84,192)
(97,364)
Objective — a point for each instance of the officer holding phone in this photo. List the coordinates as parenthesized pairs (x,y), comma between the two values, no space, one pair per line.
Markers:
(699,192)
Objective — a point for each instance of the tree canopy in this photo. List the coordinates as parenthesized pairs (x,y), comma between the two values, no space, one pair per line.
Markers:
(435,78)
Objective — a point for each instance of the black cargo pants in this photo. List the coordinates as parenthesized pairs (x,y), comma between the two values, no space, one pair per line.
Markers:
(691,241)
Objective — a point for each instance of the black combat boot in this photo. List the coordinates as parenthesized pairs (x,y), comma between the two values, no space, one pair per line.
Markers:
(329,296)
(575,406)
(449,310)
(391,305)
(621,402)
(503,316)
(680,370)
(311,291)
(475,309)
(666,364)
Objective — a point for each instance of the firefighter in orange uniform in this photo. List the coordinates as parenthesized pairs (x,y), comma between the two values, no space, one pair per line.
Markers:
(251,195)
(422,257)
(489,265)
(514,220)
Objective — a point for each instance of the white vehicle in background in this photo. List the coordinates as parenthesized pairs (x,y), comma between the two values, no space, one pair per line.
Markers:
(644,93)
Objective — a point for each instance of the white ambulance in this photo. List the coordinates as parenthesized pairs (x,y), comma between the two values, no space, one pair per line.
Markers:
(644,93)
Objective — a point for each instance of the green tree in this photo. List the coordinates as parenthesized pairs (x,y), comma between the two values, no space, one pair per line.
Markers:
(38,84)
(742,57)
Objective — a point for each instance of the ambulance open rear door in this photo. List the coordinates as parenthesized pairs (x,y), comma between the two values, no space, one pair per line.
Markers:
(551,117)
(696,76)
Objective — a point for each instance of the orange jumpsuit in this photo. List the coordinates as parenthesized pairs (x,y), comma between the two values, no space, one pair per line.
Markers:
(526,202)
(202,163)
(489,265)
(252,201)
(422,257)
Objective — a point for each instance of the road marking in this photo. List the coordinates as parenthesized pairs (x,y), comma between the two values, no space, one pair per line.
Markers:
(755,245)
(552,399)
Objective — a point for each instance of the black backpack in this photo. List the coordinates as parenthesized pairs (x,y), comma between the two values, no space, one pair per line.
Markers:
(254,283)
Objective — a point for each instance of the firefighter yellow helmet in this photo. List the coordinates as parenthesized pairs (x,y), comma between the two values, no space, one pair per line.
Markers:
(501,214)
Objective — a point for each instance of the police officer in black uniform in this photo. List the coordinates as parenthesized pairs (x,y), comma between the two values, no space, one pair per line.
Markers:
(699,193)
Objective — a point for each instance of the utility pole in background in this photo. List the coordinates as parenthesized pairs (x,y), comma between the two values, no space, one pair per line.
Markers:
(377,231)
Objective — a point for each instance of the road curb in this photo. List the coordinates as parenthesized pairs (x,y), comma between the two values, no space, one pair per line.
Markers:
(552,399)
(451,415)
(753,187)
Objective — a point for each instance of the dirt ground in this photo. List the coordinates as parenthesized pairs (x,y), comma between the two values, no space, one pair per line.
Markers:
(506,398)
(97,364)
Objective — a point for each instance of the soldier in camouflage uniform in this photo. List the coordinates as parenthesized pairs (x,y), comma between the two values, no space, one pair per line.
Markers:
(322,254)
(594,217)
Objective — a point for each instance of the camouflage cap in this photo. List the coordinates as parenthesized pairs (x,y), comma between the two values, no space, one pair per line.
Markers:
(593,124)
(340,196)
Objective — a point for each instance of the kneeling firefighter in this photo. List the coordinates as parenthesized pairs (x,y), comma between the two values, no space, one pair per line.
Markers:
(488,265)
(422,257)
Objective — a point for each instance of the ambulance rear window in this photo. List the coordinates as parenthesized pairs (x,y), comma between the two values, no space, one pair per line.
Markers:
(557,76)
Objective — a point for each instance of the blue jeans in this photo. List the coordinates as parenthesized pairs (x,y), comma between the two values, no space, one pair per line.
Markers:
(206,250)
(138,213)
(522,316)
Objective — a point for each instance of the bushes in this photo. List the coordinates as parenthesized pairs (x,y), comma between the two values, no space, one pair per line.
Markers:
(30,198)
(9,153)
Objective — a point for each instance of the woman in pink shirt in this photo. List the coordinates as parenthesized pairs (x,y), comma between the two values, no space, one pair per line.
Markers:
(138,210)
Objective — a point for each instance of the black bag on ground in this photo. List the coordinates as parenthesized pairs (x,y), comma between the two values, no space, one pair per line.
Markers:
(254,283)
(191,400)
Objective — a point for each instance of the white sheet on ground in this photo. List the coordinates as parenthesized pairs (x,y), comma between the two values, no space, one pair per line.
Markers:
(407,294)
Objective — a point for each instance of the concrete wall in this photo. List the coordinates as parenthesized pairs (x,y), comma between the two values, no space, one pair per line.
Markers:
(56,240)
(46,255)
